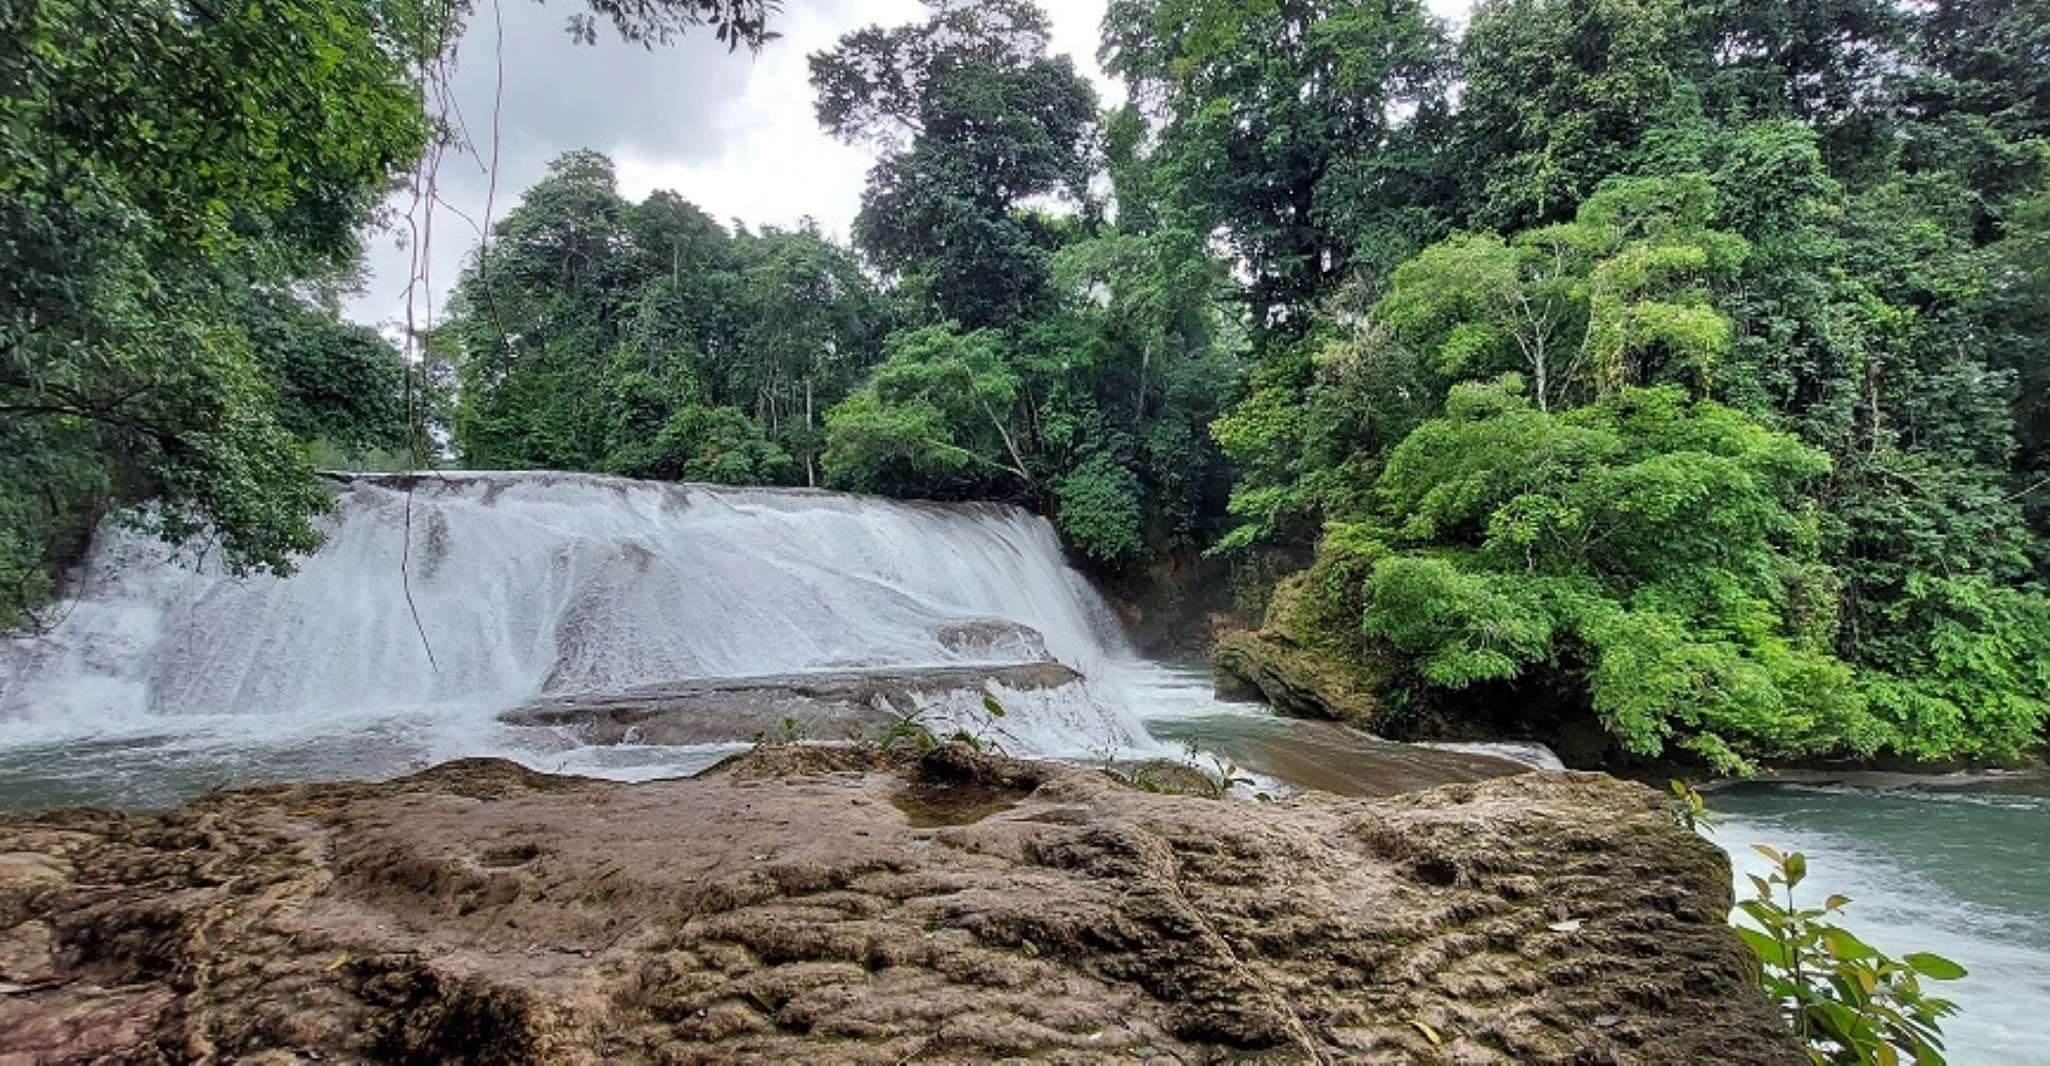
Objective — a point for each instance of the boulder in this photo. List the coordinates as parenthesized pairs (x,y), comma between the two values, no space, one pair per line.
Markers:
(1296,680)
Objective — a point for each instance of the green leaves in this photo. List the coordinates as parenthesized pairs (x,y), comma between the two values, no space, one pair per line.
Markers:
(644,339)
(1637,551)
(937,414)
(148,347)
(1099,509)
(976,118)
(1302,129)
(1769,950)
(1935,967)
(1849,1000)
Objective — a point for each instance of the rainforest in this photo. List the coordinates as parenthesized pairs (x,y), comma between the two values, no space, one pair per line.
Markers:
(1663,383)
(1680,367)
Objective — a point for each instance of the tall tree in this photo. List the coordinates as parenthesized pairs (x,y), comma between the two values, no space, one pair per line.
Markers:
(814,324)
(643,339)
(155,163)
(1302,127)
(1557,93)
(975,119)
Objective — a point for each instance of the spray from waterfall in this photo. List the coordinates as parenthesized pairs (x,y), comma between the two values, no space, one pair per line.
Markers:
(543,584)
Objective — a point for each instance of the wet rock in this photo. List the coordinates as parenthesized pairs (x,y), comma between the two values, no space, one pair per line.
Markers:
(835,705)
(1295,663)
(995,640)
(1299,681)
(794,905)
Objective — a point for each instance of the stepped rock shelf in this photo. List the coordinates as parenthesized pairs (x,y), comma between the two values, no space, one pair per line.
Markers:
(819,904)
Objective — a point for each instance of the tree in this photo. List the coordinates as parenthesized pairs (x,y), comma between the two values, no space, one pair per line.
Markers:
(1649,553)
(598,334)
(154,164)
(1302,127)
(1557,95)
(1136,364)
(542,313)
(1582,309)
(1977,99)
(337,384)
(701,443)
(814,322)
(936,419)
(975,119)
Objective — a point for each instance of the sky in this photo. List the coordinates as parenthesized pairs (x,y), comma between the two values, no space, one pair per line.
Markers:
(733,133)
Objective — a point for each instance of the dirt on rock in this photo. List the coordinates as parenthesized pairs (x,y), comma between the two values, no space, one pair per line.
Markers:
(822,905)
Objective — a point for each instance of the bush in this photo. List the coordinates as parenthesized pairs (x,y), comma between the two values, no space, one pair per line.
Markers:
(1847,1000)
(1099,510)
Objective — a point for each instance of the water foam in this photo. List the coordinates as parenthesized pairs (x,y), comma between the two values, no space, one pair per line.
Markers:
(532,583)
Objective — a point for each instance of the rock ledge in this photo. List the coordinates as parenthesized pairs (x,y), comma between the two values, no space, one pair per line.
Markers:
(817,904)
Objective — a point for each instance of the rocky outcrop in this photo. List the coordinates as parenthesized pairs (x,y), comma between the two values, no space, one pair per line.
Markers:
(1299,662)
(830,705)
(820,905)
(1304,682)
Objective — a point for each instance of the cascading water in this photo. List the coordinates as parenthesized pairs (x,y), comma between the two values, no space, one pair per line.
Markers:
(166,672)
(167,677)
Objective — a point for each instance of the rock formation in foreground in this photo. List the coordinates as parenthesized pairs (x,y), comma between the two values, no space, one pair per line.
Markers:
(819,905)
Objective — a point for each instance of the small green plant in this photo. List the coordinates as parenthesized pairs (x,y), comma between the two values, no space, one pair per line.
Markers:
(788,731)
(979,739)
(1689,809)
(1148,776)
(1847,1000)
(909,731)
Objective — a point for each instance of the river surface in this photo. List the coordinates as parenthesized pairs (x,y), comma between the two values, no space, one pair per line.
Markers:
(167,678)
(1957,865)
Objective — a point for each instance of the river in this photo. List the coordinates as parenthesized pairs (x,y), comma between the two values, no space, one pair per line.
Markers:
(1957,865)
(167,678)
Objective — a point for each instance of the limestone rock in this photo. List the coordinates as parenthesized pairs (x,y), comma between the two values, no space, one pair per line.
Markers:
(827,705)
(815,904)
(1295,680)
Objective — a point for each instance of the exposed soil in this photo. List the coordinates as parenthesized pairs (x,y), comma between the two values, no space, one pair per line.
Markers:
(823,905)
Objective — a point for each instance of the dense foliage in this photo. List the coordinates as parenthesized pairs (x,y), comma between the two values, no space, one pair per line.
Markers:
(1717,408)
(162,187)
(1061,360)
(182,186)
(1685,366)
(644,339)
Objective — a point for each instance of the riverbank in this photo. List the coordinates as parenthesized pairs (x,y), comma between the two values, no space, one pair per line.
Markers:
(820,902)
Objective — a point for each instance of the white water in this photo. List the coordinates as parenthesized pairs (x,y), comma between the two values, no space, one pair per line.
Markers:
(164,680)
(1951,864)
(163,677)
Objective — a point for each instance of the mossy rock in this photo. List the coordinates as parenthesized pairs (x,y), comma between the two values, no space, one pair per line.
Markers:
(1305,682)
(1299,668)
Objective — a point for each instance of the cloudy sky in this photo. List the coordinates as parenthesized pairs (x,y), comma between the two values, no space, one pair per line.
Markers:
(732,133)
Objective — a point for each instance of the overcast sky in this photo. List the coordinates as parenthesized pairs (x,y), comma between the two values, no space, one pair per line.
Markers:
(732,133)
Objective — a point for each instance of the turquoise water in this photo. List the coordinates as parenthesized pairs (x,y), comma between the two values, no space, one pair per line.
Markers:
(1955,865)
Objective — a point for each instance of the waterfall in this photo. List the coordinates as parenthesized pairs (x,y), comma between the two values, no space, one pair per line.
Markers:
(531,584)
